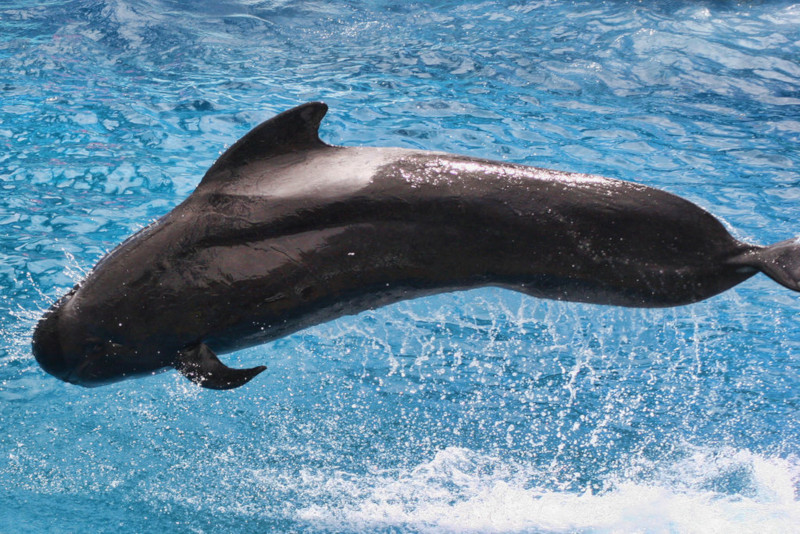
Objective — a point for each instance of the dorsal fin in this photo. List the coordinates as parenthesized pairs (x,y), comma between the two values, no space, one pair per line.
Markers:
(291,131)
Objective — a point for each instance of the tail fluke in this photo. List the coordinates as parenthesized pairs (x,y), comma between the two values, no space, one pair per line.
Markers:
(781,262)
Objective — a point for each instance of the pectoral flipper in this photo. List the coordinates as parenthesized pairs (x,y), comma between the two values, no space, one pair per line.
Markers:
(200,365)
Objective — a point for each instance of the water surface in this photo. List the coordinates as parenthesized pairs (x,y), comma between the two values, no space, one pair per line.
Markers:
(482,411)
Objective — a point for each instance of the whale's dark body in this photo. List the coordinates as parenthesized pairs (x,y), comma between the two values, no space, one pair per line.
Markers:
(285,232)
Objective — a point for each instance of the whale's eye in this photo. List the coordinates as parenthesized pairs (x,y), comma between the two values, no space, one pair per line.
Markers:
(94,347)
(307,293)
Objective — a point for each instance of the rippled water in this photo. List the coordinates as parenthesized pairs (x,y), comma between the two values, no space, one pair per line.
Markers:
(478,411)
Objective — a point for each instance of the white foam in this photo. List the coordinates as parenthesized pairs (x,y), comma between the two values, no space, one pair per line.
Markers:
(461,491)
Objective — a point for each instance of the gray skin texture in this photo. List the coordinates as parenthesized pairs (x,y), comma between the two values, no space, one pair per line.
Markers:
(285,232)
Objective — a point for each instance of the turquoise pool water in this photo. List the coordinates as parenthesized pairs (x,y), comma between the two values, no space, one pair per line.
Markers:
(483,411)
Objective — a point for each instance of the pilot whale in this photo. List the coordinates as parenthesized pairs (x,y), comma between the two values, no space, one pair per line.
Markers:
(285,231)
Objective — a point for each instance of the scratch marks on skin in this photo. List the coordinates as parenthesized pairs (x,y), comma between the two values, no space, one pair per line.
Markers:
(306,291)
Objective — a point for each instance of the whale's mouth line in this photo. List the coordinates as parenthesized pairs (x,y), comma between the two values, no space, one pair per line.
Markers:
(75,376)
(78,371)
